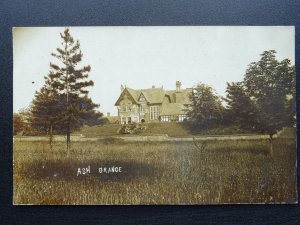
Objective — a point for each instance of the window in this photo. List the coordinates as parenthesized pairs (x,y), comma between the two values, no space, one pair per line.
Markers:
(142,108)
(123,120)
(128,107)
(173,118)
(135,119)
(123,107)
(142,98)
(154,112)
(182,118)
(165,118)
(128,120)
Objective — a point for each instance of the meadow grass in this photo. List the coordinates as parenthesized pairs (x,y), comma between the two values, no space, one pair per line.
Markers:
(155,173)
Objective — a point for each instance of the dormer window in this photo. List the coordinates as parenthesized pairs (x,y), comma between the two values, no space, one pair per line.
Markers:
(142,98)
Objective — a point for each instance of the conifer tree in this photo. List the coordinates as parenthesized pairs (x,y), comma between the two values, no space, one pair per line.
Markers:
(46,108)
(62,104)
(70,81)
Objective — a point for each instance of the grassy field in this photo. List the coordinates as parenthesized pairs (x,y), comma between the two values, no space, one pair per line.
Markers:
(96,131)
(155,173)
(171,129)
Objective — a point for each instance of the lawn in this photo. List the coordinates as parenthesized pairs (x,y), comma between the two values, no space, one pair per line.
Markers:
(171,129)
(155,173)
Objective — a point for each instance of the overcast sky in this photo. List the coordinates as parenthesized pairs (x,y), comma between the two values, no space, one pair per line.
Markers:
(140,57)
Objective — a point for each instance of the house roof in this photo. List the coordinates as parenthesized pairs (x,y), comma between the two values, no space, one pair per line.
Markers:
(156,95)
(173,109)
(153,95)
(181,96)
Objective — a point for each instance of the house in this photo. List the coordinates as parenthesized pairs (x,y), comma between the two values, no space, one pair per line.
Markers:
(153,104)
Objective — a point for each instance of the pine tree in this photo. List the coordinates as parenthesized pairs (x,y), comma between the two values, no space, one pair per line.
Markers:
(46,108)
(85,115)
(62,104)
(69,80)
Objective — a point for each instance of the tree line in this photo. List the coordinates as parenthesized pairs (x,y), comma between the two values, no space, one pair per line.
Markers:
(264,101)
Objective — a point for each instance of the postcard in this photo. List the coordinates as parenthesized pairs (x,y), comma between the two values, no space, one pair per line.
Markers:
(154,115)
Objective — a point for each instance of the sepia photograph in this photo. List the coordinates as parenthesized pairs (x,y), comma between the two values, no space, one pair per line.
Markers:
(154,115)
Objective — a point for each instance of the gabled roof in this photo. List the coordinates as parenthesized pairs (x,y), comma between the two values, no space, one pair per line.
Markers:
(156,95)
(142,95)
(132,95)
(181,96)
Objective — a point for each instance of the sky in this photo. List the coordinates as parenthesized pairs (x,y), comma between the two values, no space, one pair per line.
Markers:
(140,57)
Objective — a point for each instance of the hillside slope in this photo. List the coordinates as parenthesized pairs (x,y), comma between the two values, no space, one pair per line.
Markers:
(171,129)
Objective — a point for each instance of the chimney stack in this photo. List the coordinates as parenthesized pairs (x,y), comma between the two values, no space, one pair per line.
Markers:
(153,86)
(108,114)
(178,86)
(122,88)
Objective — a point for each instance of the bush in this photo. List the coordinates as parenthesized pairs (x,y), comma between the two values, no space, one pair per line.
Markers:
(133,128)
